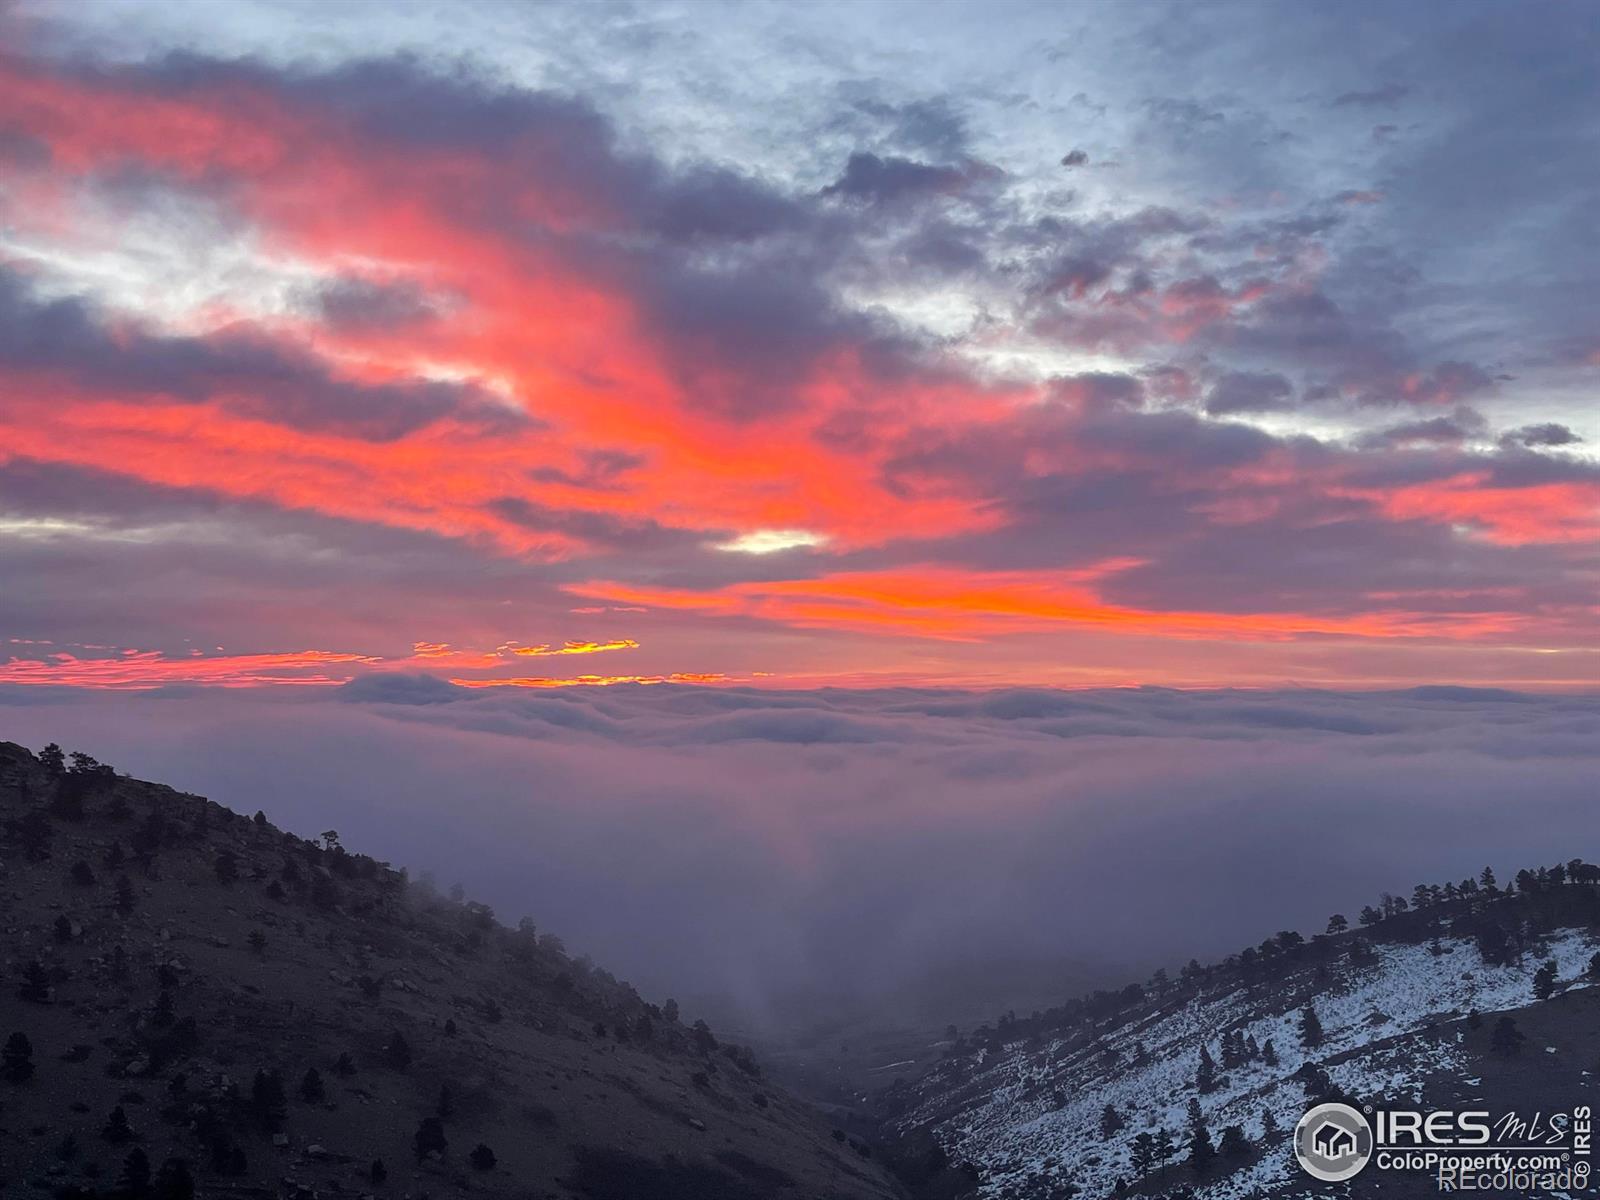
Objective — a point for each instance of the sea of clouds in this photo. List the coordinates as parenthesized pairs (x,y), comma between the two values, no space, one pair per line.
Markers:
(759,844)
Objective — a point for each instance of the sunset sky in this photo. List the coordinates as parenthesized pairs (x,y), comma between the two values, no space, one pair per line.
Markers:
(793,345)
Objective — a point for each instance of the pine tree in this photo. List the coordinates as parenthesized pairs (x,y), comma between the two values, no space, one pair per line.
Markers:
(35,984)
(53,760)
(1269,1053)
(1165,1147)
(1144,1154)
(1507,1039)
(84,764)
(268,1101)
(1544,980)
(82,874)
(16,1060)
(1494,943)
(34,834)
(311,1089)
(1316,1081)
(1201,1151)
(377,1172)
(482,1158)
(1205,1078)
(135,1181)
(1269,1125)
(1110,1121)
(430,1139)
(1234,1143)
(399,1051)
(1310,1028)
(346,1065)
(116,1129)
(1338,923)
(173,1181)
(67,803)
(125,896)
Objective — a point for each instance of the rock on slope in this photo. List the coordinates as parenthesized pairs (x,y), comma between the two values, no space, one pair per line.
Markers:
(176,971)
(1407,1009)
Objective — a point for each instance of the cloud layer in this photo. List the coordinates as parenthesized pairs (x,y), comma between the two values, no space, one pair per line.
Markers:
(762,846)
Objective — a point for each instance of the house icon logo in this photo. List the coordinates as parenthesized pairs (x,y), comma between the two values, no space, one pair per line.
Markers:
(1333,1142)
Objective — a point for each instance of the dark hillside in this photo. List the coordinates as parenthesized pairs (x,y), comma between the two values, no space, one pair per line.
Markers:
(196,1002)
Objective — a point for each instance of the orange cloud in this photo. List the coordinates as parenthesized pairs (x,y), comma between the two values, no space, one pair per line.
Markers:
(143,669)
(943,603)
(1513,516)
(136,670)
(569,648)
(435,656)
(594,680)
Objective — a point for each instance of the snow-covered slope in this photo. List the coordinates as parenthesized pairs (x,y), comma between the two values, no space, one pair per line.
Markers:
(1029,1115)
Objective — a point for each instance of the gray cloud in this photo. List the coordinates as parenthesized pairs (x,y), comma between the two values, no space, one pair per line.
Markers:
(1240,391)
(240,371)
(1381,97)
(893,180)
(1462,425)
(1547,433)
(362,304)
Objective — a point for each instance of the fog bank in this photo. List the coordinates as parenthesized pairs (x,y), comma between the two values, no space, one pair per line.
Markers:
(767,844)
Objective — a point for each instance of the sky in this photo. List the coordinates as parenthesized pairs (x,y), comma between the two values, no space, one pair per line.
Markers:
(786,346)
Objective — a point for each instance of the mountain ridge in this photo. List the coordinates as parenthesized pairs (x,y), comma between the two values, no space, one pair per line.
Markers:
(1408,1006)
